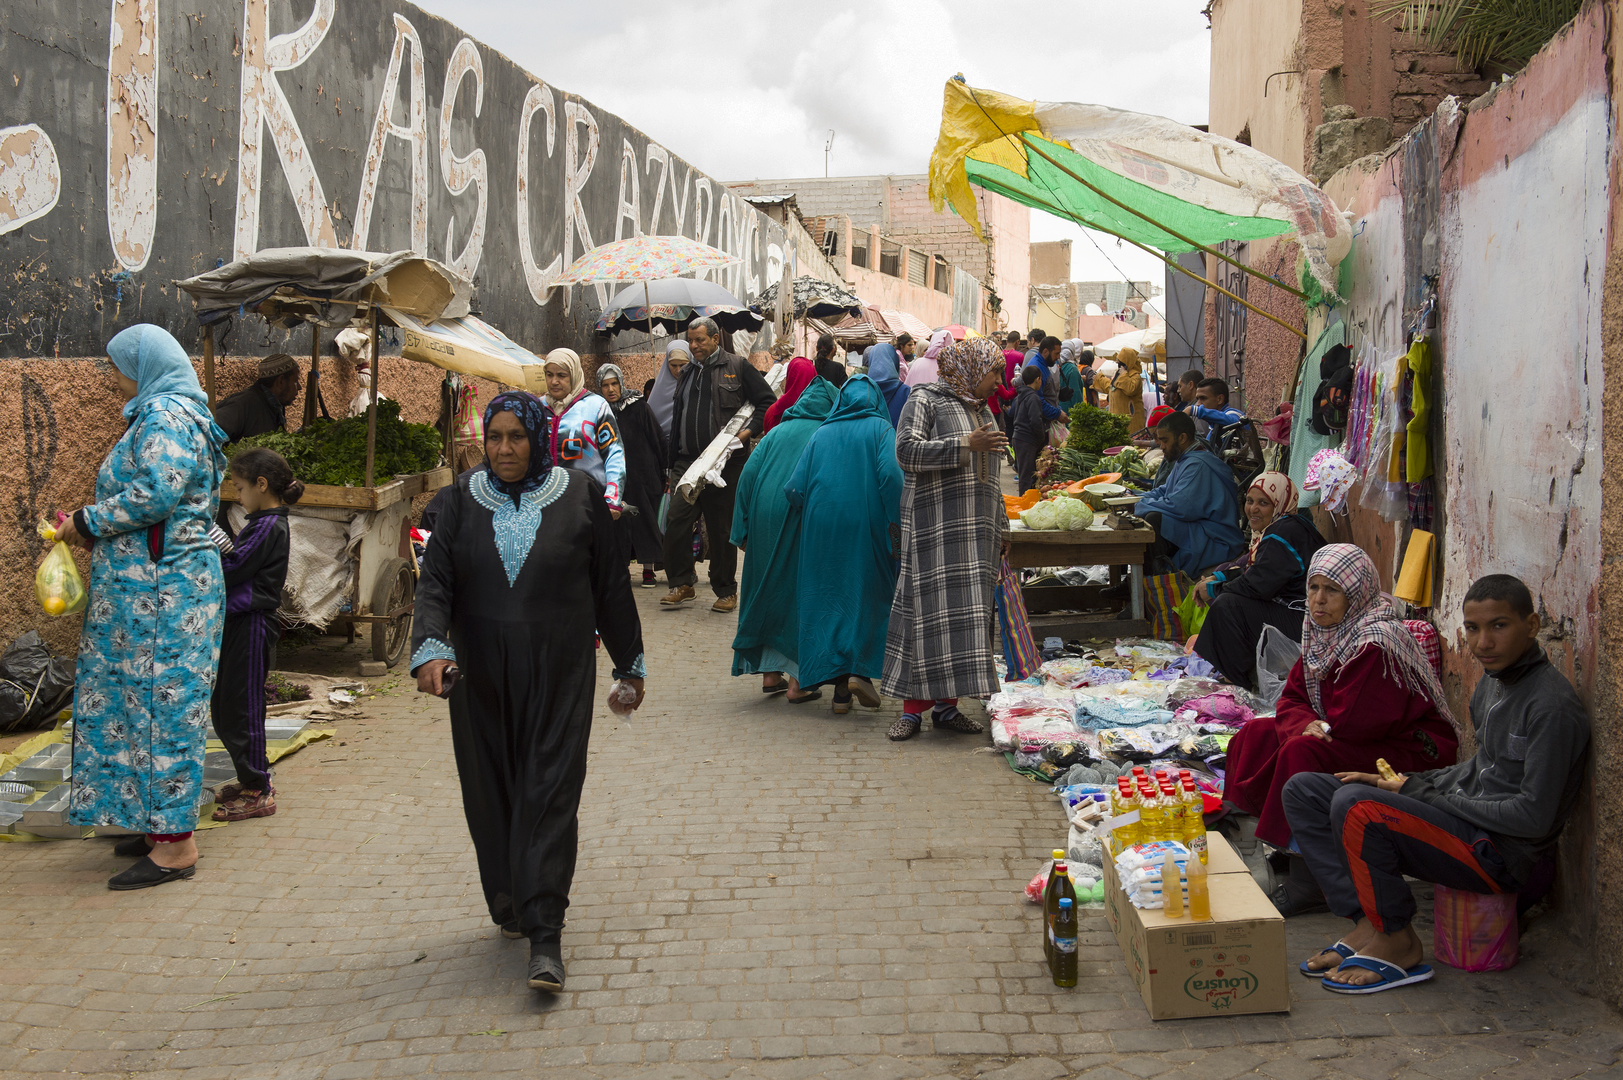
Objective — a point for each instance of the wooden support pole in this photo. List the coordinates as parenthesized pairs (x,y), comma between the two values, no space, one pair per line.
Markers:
(372,406)
(208,364)
(312,383)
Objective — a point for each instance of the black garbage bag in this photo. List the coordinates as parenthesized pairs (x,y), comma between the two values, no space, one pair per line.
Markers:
(34,685)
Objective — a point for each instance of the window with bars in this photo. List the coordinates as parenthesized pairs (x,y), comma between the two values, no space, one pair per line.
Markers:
(890,257)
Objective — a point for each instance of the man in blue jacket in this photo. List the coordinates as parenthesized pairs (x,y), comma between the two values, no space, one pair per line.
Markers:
(1212,405)
(1195,510)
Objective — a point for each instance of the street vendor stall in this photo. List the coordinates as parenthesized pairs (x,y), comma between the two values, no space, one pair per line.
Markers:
(352,562)
(1057,608)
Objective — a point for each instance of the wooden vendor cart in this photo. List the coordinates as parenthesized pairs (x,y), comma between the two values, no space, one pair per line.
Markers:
(1063,610)
(429,303)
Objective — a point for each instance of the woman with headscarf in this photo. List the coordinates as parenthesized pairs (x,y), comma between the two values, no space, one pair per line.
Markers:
(1071,389)
(662,398)
(1363,689)
(927,368)
(1126,388)
(522,565)
(1266,586)
(883,369)
(765,524)
(954,527)
(150,644)
(848,489)
(582,434)
(644,446)
(799,376)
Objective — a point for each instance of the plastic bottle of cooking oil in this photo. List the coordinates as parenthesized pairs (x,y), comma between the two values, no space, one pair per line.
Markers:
(1194,822)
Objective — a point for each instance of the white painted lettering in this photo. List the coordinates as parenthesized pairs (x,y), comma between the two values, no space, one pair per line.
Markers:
(539,280)
(30,176)
(462,171)
(629,207)
(658,153)
(414,131)
(132,130)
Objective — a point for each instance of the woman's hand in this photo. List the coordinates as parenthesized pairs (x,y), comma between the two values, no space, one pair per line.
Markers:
(987,440)
(622,708)
(71,536)
(1203,595)
(430,677)
(1395,784)
(614,513)
(1319,730)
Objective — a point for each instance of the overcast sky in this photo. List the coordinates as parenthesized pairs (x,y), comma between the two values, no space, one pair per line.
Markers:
(749,89)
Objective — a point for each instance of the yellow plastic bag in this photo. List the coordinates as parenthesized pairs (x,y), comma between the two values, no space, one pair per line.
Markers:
(57,584)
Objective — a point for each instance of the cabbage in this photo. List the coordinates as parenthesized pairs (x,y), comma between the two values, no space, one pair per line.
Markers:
(1042,516)
(1073,513)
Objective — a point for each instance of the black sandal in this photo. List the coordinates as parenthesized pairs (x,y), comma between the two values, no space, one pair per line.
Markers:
(132,847)
(814,695)
(146,873)
(781,688)
(546,967)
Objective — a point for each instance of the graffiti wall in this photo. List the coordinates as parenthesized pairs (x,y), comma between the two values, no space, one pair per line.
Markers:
(147,140)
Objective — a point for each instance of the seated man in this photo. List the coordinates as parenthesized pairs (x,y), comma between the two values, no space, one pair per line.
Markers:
(263,406)
(1193,512)
(1478,826)
(1212,406)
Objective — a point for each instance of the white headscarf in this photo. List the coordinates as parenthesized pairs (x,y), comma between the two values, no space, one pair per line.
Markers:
(567,358)
(662,402)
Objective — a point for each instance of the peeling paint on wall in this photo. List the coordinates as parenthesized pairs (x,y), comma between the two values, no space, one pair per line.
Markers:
(30,176)
(460,172)
(132,130)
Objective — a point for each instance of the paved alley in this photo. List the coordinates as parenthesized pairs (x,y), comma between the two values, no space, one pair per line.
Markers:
(765,891)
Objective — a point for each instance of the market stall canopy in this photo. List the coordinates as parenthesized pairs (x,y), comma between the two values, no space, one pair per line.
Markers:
(291,286)
(1145,178)
(469,346)
(1143,342)
(645,258)
(813,298)
(673,303)
(901,321)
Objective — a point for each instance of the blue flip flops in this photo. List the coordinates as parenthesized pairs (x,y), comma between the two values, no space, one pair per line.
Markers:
(1391,975)
(1340,948)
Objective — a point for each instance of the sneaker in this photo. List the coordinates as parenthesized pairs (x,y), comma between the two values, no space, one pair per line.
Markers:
(648,581)
(725,604)
(248,804)
(677,596)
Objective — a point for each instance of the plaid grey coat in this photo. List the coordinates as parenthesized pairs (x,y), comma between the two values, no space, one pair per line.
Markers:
(942,620)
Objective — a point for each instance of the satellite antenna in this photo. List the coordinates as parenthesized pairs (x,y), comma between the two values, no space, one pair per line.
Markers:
(827,147)
(1094,309)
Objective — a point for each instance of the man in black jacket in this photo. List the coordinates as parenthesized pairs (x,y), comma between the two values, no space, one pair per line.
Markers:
(263,406)
(1478,826)
(710,390)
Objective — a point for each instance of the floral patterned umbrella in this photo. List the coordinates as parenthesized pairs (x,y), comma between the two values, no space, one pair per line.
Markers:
(814,298)
(645,258)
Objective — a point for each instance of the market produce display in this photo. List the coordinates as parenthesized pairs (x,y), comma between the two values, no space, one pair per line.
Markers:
(1093,430)
(329,452)
(1060,513)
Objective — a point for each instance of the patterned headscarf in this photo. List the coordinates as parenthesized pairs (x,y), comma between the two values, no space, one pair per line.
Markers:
(567,358)
(627,394)
(533,415)
(1371,619)
(964,363)
(1281,492)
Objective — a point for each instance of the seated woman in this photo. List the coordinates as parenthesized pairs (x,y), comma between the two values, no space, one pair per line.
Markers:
(1362,690)
(1267,586)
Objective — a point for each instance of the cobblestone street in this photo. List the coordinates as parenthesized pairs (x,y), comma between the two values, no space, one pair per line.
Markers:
(765,891)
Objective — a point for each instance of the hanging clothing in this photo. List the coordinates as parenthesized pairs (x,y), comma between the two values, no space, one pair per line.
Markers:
(1418,443)
(644,447)
(1304,441)
(799,376)
(150,644)
(884,370)
(767,525)
(1198,506)
(1126,389)
(514,581)
(1267,586)
(1371,715)
(953,522)
(848,489)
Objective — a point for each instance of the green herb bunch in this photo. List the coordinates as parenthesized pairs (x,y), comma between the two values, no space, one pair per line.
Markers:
(1093,430)
(334,452)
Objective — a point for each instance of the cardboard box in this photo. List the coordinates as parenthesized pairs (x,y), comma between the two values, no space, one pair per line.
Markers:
(1233,964)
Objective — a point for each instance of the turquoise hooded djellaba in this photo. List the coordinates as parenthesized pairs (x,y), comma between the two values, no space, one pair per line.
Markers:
(848,489)
(767,529)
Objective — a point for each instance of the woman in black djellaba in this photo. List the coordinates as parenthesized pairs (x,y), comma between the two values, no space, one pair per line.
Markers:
(523,563)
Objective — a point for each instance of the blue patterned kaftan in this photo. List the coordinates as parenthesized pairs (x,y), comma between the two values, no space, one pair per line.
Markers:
(151,639)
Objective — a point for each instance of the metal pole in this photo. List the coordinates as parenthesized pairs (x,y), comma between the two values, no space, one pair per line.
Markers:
(372,406)
(208,364)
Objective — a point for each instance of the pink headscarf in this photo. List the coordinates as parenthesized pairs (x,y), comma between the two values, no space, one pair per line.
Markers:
(1281,492)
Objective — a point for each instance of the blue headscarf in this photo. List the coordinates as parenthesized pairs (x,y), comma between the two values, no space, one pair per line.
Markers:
(160,367)
(884,368)
(533,415)
(860,399)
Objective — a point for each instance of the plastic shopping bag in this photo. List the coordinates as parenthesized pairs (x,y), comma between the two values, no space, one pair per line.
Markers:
(1276,655)
(1191,613)
(57,584)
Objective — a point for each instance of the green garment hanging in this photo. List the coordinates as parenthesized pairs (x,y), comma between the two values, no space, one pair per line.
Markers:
(1419,428)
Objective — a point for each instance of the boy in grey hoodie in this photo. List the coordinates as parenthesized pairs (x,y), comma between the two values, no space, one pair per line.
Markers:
(1478,826)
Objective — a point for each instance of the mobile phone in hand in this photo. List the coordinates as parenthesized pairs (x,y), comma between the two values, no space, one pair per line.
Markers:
(448,679)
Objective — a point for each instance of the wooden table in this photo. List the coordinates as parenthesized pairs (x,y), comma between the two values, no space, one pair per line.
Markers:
(1029,548)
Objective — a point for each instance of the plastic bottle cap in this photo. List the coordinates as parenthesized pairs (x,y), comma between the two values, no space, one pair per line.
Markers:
(1138,770)
(1059,853)
(1185,773)
(1101,797)
(1065,901)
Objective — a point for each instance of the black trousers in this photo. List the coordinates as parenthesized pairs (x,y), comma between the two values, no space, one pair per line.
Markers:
(1360,841)
(1025,464)
(238,706)
(716,504)
(1228,637)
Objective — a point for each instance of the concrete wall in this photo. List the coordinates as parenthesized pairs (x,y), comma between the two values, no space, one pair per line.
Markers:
(1252,39)
(1525,200)
(898,294)
(1051,262)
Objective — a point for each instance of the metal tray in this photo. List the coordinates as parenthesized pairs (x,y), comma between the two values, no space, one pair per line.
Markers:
(54,763)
